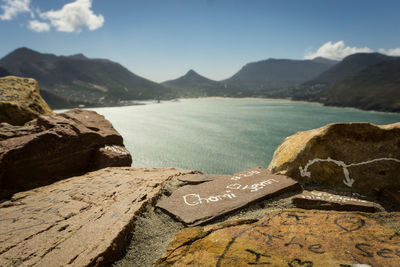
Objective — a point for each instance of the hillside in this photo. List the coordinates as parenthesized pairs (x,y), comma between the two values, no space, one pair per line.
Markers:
(275,74)
(3,72)
(71,80)
(348,66)
(193,84)
(376,87)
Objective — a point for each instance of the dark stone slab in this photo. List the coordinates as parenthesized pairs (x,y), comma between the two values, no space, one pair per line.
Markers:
(326,201)
(197,178)
(196,204)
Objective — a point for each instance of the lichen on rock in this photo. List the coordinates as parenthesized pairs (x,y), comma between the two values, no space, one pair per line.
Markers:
(20,100)
(354,155)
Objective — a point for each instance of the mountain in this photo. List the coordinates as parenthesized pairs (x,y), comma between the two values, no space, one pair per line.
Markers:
(376,87)
(275,74)
(3,72)
(193,84)
(348,66)
(71,80)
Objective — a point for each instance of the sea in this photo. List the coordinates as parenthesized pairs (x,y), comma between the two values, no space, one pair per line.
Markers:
(221,135)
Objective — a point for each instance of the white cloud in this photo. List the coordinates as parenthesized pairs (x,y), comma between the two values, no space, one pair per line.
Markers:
(74,16)
(391,52)
(336,51)
(11,8)
(38,26)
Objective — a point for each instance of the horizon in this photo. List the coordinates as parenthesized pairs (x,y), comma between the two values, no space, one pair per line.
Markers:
(184,74)
(162,41)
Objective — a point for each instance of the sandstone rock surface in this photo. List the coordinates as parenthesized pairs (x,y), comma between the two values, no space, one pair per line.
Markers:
(80,221)
(327,201)
(57,146)
(196,204)
(358,155)
(20,100)
(290,238)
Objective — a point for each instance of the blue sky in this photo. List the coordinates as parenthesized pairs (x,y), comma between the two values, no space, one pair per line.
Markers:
(163,39)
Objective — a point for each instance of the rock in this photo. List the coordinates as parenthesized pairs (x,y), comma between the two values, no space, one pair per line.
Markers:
(358,155)
(56,147)
(20,100)
(290,238)
(326,201)
(197,178)
(9,131)
(116,156)
(196,204)
(392,195)
(80,221)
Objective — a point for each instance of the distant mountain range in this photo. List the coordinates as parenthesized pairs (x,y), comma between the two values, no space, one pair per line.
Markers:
(275,74)
(361,80)
(68,81)
(376,87)
(348,66)
(364,80)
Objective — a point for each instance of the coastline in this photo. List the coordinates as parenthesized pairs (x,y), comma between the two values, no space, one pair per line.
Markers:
(149,102)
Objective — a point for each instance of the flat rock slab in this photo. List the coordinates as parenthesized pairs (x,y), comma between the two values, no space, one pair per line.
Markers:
(327,201)
(196,204)
(80,221)
(290,238)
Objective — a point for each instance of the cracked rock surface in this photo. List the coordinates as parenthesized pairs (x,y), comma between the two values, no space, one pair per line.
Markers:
(291,237)
(81,221)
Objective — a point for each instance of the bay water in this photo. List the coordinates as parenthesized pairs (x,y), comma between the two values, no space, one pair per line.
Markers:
(222,136)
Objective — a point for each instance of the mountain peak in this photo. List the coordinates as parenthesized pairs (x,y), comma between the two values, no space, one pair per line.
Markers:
(191,72)
(24,50)
(78,56)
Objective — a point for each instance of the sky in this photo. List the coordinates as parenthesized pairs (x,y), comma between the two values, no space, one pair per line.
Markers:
(163,39)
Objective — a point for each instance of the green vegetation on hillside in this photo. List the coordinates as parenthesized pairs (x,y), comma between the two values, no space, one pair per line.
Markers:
(80,80)
(376,87)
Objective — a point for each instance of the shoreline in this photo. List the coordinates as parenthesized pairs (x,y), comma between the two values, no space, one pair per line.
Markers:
(147,102)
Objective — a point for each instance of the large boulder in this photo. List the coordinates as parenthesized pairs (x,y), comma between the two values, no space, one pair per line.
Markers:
(80,221)
(292,237)
(20,100)
(53,147)
(361,156)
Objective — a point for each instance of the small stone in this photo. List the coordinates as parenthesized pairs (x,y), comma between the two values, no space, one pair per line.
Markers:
(80,221)
(195,178)
(111,156)
(361,156)
(20,100)
(196,204)
(291,237)
(327,201)
(198,178)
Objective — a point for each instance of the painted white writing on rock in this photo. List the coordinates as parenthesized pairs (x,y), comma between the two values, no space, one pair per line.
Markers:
(195,198)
